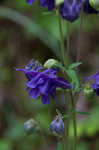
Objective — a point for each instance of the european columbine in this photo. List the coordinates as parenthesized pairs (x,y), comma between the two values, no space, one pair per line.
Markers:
(43,82)
(88,9)
(69,11)
(94,81)
(57,126)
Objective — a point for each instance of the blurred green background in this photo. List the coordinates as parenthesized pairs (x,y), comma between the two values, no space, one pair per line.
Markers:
(28,32)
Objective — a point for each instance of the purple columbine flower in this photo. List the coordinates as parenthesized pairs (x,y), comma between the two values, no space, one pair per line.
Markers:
(43,82)
(94,81)
(88,9)
(69,11)
(57,125)
(50,4)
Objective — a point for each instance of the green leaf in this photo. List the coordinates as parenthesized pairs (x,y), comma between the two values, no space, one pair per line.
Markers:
(59,146)
(74,65)
(72,74)
(82,113)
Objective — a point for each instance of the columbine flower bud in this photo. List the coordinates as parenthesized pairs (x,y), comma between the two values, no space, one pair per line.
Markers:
(88,91)
(58,2)
(30,126)
(57,126)
(50,63)
(94,4)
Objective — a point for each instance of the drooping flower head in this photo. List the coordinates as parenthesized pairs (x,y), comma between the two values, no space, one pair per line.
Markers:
(69,11)
(43,82)
(94,81)
(57,126)
(88,9)
(50,4)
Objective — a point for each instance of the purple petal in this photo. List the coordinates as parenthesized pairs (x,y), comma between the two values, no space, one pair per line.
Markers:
(44,88)
(29,73)
(69,11)
(48,3)
(52,74)
(34,93)
(30,65)
(62,83)
(33,81)
(53,91)
(92,77)
(30,2)
(45,99)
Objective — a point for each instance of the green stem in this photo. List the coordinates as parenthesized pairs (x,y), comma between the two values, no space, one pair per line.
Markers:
(64,56)
(79,35)
(68,36)
(74,121)
(67,102)
(66,124)
(61,38)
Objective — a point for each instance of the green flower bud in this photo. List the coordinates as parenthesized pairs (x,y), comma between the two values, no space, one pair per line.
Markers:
(94,4)
(88,91)
(50,63)
(58,2)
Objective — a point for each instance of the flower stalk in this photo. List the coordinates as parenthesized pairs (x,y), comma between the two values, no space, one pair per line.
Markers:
(72,100)
(66,138)
(61,34)
(66,124)
(64,58)
(68,36)
(74,120)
